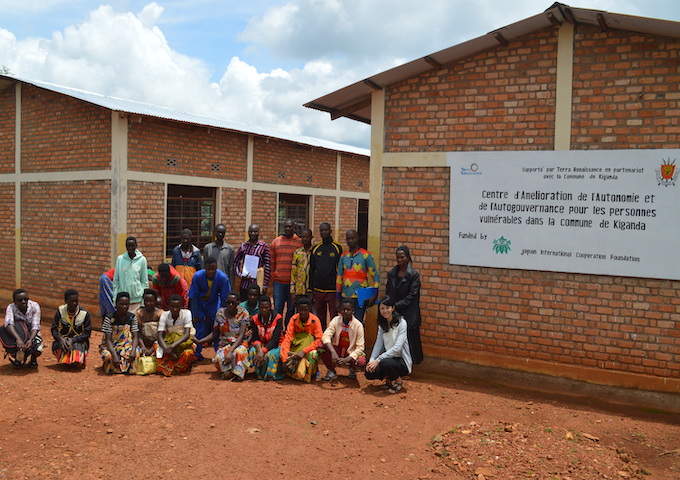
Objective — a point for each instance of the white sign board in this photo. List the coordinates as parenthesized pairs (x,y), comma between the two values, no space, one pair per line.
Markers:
(610,212)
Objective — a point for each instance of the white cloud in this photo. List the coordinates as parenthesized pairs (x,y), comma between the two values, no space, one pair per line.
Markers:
(324,44)
(127,56)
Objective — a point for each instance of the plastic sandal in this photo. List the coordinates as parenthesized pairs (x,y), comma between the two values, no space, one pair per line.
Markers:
(395,387)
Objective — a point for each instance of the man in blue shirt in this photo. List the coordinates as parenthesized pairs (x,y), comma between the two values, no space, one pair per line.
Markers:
(208,292)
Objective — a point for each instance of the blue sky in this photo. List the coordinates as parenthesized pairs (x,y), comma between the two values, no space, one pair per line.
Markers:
(254,62)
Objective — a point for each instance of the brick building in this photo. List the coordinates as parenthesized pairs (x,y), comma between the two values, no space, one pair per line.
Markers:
(564,82)
(79,172)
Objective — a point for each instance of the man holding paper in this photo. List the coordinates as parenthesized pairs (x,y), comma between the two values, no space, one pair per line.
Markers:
(251,256)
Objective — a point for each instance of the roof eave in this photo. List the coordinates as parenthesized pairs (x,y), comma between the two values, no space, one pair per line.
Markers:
(349,100)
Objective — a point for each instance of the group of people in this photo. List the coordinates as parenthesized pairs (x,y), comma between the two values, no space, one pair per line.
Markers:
(161,321)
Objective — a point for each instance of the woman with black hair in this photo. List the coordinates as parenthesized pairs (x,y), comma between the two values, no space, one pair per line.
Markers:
(403,285)
(391,356)
(121,334)
(71,330)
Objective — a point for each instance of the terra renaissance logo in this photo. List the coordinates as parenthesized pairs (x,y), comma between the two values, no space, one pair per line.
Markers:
(473,170)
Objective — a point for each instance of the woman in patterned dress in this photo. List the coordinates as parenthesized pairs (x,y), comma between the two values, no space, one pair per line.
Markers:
(231,324)
(119,345)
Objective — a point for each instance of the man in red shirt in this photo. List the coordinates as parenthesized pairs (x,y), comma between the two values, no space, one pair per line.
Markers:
(281,250)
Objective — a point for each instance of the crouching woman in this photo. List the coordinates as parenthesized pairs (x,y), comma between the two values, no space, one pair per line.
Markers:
(391,357)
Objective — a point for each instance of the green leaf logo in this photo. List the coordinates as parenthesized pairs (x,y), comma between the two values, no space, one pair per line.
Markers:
(501,245)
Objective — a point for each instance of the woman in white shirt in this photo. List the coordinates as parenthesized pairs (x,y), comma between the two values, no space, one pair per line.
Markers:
(391,357)
(174,339)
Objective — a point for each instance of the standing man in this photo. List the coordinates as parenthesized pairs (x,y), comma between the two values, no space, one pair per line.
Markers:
(208,292)
(130,274)
(323,271)
(256,247)
(356,270)
(186,257)
(299,274)
(222,251)
(282,250)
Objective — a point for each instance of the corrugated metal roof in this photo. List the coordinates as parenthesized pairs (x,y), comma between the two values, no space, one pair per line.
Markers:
(145,109)
(354,101)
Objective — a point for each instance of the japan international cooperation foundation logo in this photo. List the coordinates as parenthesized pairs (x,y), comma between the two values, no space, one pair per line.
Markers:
(501,245)
(667,173)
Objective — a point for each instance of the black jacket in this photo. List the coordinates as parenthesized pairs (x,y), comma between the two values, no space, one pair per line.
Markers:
(406,293)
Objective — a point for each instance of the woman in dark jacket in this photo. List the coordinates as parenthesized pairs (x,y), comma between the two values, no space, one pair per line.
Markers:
(403,285)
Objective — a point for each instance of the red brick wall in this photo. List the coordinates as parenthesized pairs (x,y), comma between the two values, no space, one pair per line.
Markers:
(348,219)
(197,151)
(502,99)
(7,224)
(324,211)
(354,174)
(61,133)
(146,219)
(234,215)
(500,316)
(7,129)
(264,214)
(284,162)
(625,90)
(612,330)
(66,240)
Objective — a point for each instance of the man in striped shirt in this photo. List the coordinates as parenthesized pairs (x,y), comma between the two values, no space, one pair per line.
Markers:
(282,249)
(254,246)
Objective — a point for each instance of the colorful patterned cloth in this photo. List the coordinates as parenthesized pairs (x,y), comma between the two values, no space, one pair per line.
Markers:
(356,271)
(305,369)
(268,335)
(77,327)
(299,274)
(271,366)
(229,331)
(184,352)
(121,338)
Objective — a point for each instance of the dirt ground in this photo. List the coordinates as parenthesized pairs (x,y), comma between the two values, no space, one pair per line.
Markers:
(59,423)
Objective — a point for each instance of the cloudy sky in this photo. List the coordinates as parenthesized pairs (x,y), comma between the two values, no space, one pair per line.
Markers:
(256,61)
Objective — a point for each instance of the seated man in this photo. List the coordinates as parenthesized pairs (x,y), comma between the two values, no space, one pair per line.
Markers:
(71,330)
(168,282)
(208,292)
(21,333)
(343,342)
(299,353)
